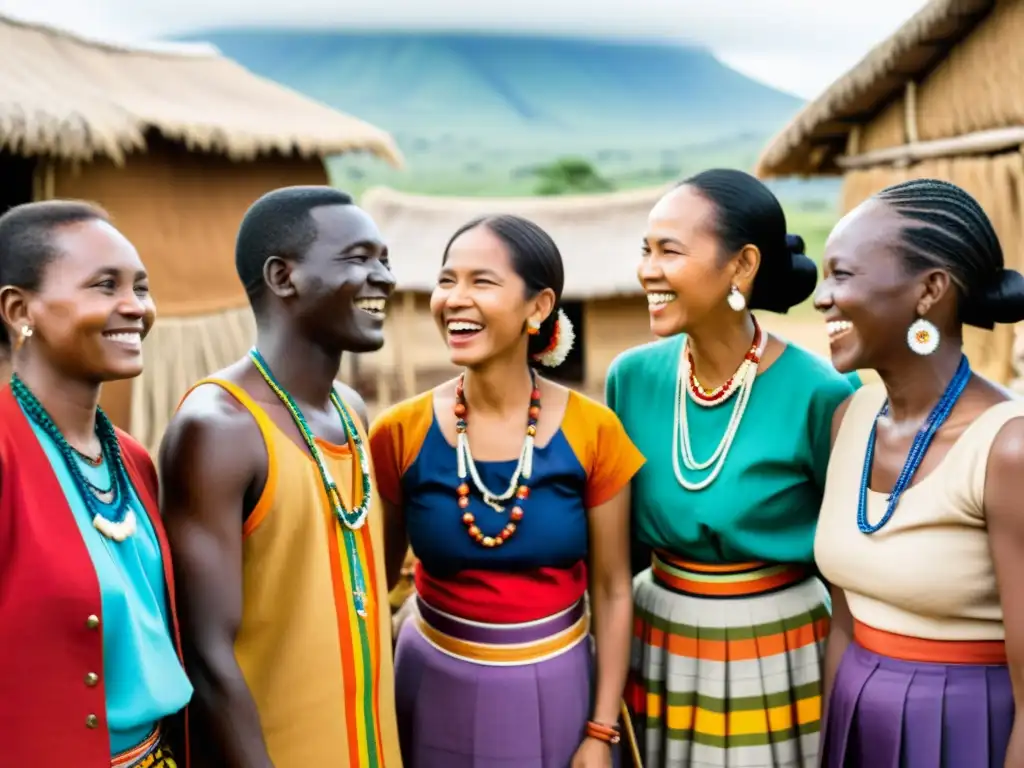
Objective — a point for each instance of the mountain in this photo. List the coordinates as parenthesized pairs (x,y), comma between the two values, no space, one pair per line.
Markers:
(474,113)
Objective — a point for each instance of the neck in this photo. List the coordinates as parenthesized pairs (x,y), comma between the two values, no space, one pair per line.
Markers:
(303,368)
(718,351)
(71,403)
(499,388)
(917,383)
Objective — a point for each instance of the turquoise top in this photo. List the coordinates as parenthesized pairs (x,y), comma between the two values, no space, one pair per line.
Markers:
(764,504)
(143,677)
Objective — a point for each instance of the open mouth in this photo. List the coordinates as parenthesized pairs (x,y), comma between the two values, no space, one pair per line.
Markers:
(460,331)
(127,340)
(658,300)
(836,329)
(375,307)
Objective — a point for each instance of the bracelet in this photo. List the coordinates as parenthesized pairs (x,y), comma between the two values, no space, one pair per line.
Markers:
(606,733)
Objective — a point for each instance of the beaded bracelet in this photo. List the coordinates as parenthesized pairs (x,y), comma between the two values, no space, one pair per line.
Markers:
(606,733)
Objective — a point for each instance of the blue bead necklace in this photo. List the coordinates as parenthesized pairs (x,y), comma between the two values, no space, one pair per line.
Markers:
(918,448)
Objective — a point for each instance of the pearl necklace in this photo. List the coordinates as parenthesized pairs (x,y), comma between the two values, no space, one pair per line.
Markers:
(681,432)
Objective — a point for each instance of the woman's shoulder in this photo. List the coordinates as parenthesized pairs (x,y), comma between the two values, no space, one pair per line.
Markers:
(409,411)
(589,411)
(646,358)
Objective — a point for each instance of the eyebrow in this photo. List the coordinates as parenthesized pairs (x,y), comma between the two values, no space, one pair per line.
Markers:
(140,274)
(473,272)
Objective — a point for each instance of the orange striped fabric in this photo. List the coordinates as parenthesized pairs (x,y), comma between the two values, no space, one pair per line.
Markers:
(723,580)
(929,651)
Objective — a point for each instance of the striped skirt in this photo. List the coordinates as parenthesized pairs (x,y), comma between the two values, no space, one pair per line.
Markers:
(151,753)
(473,695)
(900,702)
(727,664)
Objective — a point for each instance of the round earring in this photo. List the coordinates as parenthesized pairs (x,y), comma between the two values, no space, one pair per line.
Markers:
(26,331)
(735,300)
(922,337)
(532,328)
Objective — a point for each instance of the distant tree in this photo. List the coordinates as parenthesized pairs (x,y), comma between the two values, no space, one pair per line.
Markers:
(569,175)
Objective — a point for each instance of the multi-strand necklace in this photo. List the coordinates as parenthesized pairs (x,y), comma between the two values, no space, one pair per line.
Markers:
(466,468)
(113,517)
(922,440)
(351,520)
(741,382)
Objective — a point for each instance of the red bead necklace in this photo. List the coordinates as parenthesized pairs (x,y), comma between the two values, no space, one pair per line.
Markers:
(710,397)
(518,488)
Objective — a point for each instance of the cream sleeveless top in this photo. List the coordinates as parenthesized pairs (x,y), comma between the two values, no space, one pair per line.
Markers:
(928,573)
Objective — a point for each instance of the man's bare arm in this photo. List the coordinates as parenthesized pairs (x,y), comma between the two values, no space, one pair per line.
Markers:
(210,456)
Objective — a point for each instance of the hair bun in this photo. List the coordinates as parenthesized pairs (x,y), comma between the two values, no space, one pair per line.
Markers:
(779,290)
(1001,302)
(795,245)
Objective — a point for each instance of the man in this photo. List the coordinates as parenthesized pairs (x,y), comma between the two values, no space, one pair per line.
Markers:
(282,592)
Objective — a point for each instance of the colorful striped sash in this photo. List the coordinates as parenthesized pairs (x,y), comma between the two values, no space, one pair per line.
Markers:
(904,648)
(726,579)
(503,644)
(153,752)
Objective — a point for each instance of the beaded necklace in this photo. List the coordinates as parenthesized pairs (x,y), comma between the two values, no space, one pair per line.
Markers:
(517,486)
(918,448)
(120,524)
(681,430)
(712,397)
(353,520)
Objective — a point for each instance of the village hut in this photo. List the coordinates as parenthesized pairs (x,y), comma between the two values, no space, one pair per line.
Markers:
(175,143)
(942,99)
(599,237)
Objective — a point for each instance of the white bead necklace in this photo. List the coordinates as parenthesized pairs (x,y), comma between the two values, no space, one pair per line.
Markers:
(681,432)
(496,501)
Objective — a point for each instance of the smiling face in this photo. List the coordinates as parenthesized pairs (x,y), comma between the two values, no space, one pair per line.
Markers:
(868,296)
(480,303)
(93,307)
(680,267)
(341,285)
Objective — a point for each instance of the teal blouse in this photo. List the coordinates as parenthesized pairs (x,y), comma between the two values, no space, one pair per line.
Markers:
(764,504)
(143,677)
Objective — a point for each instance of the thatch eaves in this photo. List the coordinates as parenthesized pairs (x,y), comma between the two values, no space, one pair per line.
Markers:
(811,142)
(67,97)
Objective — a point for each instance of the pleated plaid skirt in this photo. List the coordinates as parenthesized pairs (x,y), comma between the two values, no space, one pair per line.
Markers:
(727,664)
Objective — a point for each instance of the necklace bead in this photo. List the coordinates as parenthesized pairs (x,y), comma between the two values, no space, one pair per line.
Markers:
(466,469)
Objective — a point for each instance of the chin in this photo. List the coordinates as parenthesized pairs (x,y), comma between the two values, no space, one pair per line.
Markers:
(663,327)
(370,342)
(121,371)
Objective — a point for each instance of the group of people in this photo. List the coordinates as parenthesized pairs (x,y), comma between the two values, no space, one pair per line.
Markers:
(744,558)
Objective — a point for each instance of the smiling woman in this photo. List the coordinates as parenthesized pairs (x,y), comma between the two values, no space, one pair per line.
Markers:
(82,544)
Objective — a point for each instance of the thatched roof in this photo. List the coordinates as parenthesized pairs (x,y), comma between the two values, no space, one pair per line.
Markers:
(599,235)
(817,135)
(68,97)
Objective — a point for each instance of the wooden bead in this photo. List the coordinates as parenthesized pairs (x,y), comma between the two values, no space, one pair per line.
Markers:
(463,489)
(488,541)
(522,492)
(460,410)
(534,412)
(474,531)
(463,502)
(531,431)
(510,529)
(468,518)
(535,395)
(499,540)
(516,513)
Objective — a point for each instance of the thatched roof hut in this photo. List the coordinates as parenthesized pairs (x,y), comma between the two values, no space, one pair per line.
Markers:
(599,237)
(941,98)
(176,142)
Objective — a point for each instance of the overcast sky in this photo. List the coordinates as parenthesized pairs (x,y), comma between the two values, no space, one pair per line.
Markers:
(797,45)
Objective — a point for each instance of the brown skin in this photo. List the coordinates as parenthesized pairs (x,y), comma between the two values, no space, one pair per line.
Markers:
(213,460)
(867,284)
(95,287)
(478,284)
(682,255)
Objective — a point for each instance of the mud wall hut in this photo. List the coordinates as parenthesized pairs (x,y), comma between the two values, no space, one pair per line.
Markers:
(941,98)
(175,144)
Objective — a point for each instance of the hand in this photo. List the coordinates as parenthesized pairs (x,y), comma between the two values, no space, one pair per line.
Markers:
(593,753)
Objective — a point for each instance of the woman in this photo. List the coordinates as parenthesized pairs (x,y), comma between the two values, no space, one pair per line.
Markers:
(495,668)
(921,534)
(730,618)
(89,652)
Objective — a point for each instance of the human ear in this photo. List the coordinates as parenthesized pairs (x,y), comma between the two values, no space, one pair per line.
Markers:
(277,274)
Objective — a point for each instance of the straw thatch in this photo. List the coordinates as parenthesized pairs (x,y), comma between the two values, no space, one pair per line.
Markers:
(67,97)
(813,140)
(599,235)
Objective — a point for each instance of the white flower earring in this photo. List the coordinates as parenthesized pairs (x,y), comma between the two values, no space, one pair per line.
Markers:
(735,300)
(922,337)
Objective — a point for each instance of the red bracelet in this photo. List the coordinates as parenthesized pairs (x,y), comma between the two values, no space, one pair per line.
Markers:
(602,732)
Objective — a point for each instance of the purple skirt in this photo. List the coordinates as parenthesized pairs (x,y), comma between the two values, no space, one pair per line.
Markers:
(888,713)
(455,713)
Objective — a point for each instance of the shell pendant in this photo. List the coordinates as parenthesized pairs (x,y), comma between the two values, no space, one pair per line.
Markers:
(116,531)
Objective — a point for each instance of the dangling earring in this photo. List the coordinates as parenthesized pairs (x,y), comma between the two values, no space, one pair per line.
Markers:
(25,335)
(735,300)
(532,328)
(922,337)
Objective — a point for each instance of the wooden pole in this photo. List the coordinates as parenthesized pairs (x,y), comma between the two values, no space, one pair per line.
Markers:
(979,143)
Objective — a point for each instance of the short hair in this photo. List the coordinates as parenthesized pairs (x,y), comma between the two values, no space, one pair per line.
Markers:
(748,213)
(279,224)
(535,258)
(26,240)
(946,228)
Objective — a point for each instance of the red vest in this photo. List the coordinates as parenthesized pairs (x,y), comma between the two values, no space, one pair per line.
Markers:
(53,700)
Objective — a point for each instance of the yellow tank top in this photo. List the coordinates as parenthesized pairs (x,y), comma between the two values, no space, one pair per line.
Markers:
(321,676)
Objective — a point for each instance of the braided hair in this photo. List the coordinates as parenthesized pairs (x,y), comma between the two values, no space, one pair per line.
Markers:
(947,229)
